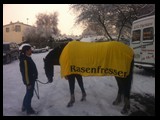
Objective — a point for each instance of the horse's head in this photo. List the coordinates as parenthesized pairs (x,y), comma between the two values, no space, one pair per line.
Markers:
(52,59)
(48,67)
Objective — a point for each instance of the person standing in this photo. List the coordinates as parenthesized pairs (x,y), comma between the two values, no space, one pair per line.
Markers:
(29,74)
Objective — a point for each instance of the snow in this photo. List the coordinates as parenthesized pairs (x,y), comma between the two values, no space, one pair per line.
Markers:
(101,91)
(87,39)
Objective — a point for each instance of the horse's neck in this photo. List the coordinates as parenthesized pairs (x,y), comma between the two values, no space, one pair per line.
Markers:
(56,55)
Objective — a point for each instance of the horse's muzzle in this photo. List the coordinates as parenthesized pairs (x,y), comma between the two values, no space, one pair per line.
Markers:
(50,80)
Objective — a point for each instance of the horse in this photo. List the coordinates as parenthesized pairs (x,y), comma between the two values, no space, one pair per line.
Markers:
(51,59)
(124,84)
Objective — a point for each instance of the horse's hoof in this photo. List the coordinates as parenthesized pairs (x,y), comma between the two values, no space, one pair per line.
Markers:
(83,99)
(70,104)
(116,102)
(124,111)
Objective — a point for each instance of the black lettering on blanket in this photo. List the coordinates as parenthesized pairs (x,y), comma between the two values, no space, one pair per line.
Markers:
(99,69)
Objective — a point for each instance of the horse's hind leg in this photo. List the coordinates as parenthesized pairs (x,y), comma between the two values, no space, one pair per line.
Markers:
(127,89)
(123,90)
(126,105)
(120,91)
(80,82)
(71,81)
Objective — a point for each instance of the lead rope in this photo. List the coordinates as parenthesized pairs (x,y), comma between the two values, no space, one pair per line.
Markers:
(37,92)
(42,82)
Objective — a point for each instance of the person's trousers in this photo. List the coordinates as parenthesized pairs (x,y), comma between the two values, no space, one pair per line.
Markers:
(28,97)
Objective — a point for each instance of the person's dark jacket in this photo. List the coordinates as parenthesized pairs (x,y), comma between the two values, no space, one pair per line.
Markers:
(28,69)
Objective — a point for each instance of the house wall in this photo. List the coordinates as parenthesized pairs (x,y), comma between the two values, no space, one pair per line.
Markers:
(13,34)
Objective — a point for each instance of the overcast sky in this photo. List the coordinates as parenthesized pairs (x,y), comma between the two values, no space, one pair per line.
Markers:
(20,12)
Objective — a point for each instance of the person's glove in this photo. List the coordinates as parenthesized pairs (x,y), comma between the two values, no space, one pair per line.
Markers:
(29,86)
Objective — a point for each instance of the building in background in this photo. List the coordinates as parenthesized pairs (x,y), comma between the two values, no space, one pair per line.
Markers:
(14,32)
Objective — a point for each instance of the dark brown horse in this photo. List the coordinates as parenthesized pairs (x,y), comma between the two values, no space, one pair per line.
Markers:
(124,84)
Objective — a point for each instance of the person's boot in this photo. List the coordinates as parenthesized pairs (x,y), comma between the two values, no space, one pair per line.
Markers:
(23,109)
(31,111)
(72,100)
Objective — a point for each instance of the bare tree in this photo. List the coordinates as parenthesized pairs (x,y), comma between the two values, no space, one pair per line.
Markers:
(111,17)
(46,27)
(30,35)
(47,24)
(127,13)
(95,15)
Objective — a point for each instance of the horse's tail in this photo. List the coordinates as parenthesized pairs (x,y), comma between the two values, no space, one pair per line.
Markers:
(130,79)
(131,70)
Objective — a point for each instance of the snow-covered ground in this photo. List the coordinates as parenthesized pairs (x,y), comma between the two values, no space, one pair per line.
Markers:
(101,91)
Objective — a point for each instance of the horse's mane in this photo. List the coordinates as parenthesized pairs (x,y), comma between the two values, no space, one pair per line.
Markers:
(56,52)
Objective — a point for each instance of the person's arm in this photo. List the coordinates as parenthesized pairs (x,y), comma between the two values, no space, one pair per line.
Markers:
(26,75)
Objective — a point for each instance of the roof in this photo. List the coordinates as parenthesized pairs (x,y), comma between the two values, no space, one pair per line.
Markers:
(7,42)
(17,23)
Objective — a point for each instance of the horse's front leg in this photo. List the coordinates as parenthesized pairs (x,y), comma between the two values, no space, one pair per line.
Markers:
(83,97)
(72,100)
(80,82)
(71,81)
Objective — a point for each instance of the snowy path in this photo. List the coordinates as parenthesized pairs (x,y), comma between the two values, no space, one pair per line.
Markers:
(101,91)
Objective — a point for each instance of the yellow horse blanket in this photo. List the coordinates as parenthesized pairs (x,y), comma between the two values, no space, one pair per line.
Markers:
(96,59)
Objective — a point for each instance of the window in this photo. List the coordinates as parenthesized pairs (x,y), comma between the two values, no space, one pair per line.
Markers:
(148,33)
(136,35)
(22,38)
(17,28)
(7,29)
(5,47)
